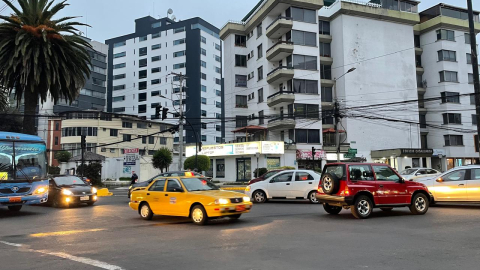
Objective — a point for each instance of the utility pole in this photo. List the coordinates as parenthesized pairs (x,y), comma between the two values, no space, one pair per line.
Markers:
(83,145)
(476,82)
(180,123)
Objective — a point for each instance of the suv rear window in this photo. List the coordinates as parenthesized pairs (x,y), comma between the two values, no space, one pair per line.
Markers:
(338,170)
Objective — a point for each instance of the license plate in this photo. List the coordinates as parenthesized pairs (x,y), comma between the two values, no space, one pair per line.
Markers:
(240,208)
(85,198)
(15,199)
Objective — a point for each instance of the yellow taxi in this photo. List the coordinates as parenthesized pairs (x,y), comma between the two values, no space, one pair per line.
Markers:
(191,197)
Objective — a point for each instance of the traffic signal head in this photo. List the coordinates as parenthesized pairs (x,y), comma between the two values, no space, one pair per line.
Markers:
(313,152)
(157,111)
(164,113)
(83,142)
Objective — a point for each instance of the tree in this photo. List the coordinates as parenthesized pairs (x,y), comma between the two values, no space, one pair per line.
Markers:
(63,156)
(203,163)
(93,171)
(41,56)
(260,171)
(162,159)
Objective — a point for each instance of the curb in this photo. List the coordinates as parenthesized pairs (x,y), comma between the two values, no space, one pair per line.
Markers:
(233,188)
(104,192)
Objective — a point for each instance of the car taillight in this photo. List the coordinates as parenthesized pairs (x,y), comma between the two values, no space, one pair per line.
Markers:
(345,192)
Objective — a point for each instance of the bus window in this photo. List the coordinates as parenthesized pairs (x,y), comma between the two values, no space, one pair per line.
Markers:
(6,165)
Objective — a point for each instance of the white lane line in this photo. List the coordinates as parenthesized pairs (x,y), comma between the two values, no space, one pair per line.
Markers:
(83,260)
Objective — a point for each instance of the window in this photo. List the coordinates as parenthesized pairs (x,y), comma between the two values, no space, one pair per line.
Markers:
(304,62)
(156,47)
(259,51)
(204,138)
(204,113)
(448,76)
(204,126)
(472,99)
(163,141)
(179,65)
(218,104)
(306,110)
(218,128)
(241,121)
(240,101)
(259,30)
(218,70)
(360,173)
(119,110)
(218,93)
(113,132)
(469,58)
(119,98)
(98,82)
(156,81)
(302,176)
(303,15)
(119,87)
(305,86)
(142,108)
(156,70)
(179,30)
(323,27)
(453,140)
(217,58)
(443,34)
(142,74)
(203,64)
(119,44)
(203,39)
(470,78)
(217,47)
(240,60)
(240,81)
(121,65)
(144,38)
(261,118)
(467,38)
(178,54)
(327,94)
(156,58)
(119,55)
(444,55)
(304,38)
(282,178)
(204,76)
(142,62)
(260,73)
(127,137)
(450,97)
(156,35)
(455,176)
(452,118)
(178,41)
(325,49)
(156,25)
(142,97)
(474,119)
(159,185)
(240,41)
(142,51)
(307,135)
(119,76)
(142,85)
(203,51)
(260,95)
(57,126)
(204,100)
(423,121)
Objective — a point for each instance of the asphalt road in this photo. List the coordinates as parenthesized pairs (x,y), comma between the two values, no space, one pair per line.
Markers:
(275,235)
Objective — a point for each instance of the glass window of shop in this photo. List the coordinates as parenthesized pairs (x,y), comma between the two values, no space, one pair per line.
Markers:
(220,168)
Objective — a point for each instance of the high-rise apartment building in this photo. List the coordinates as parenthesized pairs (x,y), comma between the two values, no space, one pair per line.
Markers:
(140,76)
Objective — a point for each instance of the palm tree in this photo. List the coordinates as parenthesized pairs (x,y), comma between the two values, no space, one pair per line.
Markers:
(41,57)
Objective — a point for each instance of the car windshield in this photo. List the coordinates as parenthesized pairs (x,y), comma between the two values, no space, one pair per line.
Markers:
(195,184)
(69,181)
(30,161)
(408,171)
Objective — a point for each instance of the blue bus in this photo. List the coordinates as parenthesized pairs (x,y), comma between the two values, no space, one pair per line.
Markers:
(23,170)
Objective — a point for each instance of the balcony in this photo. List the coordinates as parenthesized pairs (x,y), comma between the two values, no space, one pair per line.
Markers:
(279,51)
(279,27)
(421,90)
(326,60)
(420,70)
(281,97)
(280,74)
(324,38)
(418,51)
(281,122)
(327,104)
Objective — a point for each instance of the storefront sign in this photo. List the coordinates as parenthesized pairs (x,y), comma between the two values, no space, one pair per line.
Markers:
(438,152)
(130,157)
(416,151)
(246,148)
(131,151)
(307,154)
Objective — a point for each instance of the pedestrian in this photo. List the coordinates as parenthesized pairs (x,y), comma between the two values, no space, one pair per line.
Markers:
(134,178)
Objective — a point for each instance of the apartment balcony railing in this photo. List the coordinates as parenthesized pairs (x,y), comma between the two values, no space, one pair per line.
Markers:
(281,97)
(280,74)
(279,51)
(279,27)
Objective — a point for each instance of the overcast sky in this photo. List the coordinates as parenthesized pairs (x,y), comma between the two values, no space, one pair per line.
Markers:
(112,18)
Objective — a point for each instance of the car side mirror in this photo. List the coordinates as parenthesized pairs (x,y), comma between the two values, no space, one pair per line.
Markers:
(439,180)
(402,180)
(417,174)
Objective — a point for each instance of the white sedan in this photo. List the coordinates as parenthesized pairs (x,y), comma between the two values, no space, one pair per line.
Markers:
(289,184)
(414,173)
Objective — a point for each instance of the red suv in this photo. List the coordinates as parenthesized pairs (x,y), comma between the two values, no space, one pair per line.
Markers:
(363,186)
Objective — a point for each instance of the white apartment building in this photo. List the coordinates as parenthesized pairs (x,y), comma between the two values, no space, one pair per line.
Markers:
(140,74)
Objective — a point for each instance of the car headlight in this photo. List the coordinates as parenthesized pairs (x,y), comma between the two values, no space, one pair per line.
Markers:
(247,188)
(67,192)
(94,190)
(221,201)
(41,190)
(246,199)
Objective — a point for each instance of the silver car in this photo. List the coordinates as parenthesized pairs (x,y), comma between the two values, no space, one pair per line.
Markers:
(460,184)
(414,173)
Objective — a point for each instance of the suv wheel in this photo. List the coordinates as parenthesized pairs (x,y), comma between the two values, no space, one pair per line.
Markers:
(419,204)
(330,183)
(332,210)
(362,208)
(259,196)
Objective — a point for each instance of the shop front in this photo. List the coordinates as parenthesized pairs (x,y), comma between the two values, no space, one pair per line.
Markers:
(404,157)
(305,160)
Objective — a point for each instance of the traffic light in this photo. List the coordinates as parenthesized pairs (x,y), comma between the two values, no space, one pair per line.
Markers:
(83,142)
(164,113)
(313,153)
(157,111)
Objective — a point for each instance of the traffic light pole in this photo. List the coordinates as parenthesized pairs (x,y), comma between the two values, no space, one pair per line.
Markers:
(180,124)
(83,143)
(196,143)
(476,79)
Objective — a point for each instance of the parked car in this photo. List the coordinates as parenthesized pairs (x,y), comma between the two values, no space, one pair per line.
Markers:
(287,184)
(264,176)
(363,186)
(191,197)
(67,190)
(414,173)
(460,184)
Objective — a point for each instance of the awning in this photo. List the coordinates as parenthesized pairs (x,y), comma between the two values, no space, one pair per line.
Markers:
(332,130)
(249,129)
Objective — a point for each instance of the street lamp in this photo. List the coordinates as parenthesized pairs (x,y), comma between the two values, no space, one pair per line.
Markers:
(337,112)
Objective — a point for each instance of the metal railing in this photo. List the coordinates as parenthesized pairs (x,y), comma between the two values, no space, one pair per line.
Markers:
(281,117)
(278,68)
(281,93)
(279,18)
(278,43)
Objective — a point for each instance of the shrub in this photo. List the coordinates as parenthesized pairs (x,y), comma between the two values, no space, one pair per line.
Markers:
(203,163)
(93,171)
(260,171)
(287,168)
(53,170)
(63,156)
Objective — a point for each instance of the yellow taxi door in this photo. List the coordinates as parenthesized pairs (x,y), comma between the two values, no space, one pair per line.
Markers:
(176,199)
(156,197)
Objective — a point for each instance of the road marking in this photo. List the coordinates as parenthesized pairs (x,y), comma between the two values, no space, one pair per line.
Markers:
(83,260)
(64,233)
